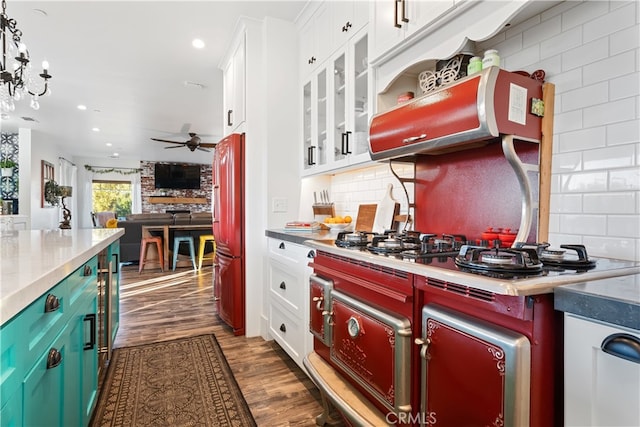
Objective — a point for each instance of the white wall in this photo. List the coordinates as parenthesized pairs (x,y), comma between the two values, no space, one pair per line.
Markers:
(591,52)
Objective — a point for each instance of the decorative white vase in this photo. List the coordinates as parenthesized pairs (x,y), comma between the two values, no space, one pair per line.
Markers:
(7,171)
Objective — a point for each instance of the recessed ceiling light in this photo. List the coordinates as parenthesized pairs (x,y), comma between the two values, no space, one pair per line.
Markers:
(115,154)
(108,144)
(95,129)
(197,43)
(82,107)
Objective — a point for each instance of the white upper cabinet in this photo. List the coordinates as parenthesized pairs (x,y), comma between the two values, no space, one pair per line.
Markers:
(396,20)
(348,18)
(315,42)
(234,89)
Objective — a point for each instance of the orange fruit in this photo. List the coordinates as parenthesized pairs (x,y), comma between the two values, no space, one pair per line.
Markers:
(348,219)
(338,219)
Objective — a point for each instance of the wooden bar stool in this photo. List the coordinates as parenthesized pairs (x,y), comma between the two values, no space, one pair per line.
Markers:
(143,251)
(204,239)
(176,246)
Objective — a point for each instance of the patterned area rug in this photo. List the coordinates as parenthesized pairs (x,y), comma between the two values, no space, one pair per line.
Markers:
(184,382)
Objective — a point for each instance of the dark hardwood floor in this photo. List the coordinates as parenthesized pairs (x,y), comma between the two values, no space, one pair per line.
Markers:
(157,306)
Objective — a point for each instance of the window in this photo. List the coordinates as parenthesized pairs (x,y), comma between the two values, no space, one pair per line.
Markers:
(113,196)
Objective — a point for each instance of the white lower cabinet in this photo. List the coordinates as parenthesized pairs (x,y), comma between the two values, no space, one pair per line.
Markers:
(288,275)
(602,387)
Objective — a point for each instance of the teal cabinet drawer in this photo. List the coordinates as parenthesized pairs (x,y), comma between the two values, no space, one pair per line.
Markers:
(25,337)
(11,412)
(43,387)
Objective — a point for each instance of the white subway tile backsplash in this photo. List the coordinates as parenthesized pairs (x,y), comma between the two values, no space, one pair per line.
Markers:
(567,80)
(583,139)
(566,122)
(557,239)
(609,68)
(611,247)
(618,156)
(585,96)
(544,31)
(623,226)
(554,223)
(623,133)
(624,40)
(563,42)
(610,23)
(585,182)
(522,59)
(610,203)
(567,162)
(583,13)
(587,53)
(624,179)
(566,203)
(610,112)
(624,86)
(595,225)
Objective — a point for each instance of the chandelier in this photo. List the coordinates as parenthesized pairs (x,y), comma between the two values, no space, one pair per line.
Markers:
(16,72)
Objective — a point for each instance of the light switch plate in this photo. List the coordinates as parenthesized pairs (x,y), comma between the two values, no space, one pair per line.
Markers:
(279,204)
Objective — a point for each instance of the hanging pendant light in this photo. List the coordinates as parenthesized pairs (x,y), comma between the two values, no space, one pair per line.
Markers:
(16,76)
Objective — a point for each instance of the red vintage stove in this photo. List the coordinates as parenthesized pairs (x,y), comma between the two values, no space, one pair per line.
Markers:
(455,325)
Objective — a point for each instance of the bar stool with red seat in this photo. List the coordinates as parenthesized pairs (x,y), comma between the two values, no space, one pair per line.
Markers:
(143,251)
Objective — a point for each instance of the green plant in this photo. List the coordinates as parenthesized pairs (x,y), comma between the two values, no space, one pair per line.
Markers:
(51,192)
(7,163)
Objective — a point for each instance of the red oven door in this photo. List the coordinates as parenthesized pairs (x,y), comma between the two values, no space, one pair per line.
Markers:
(473,373)
(373,349)
(319,307)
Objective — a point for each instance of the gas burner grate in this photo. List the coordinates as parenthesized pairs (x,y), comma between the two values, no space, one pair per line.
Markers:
(499,262)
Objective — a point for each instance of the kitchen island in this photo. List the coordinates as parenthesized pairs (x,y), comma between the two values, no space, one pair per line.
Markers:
(58,310)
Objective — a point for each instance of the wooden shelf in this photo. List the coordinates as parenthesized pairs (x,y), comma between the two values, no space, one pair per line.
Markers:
(162,199)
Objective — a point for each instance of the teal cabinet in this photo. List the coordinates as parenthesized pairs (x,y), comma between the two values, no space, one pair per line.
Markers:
(49,356)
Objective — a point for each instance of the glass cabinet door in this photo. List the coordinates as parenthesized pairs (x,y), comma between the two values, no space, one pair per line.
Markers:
(320,155)
(359,142)
(340,146)
(306,125)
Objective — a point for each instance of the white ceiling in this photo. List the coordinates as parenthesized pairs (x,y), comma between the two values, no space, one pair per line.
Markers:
(128,62)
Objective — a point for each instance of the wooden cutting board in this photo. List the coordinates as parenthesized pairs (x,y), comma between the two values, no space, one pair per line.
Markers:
(366,215)
(386,211)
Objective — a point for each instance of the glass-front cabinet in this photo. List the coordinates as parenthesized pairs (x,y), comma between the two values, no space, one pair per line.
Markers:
(336,110)
(315,122)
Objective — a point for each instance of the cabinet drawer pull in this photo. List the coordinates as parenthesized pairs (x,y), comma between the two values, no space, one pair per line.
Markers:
(283,286)
(54,358)
(229,123)
(52,303)
(88,271)
(348,151)
(346,27)
(311,254)
(281,246)
(624,346)
(395,15)
(404,11)
(91,318)
(283,328)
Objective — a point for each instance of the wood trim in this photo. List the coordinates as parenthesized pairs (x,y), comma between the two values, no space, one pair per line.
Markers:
(546,154)
(162,199)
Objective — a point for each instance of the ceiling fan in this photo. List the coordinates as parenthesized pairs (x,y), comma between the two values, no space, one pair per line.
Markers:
(192,144)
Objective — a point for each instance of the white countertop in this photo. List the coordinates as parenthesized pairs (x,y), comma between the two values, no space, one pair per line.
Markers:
(33,261)
(522,286)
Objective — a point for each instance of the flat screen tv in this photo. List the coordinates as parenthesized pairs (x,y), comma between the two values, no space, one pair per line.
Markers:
(178,176)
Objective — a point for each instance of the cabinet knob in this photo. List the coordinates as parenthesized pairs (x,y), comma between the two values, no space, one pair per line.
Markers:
(311,254)
(87,271)
(346,27)
(52,303)
(54,358)
(283,286)
(283,328)
(281,246)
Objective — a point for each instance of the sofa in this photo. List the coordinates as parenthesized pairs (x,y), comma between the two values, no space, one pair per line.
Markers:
(130,242)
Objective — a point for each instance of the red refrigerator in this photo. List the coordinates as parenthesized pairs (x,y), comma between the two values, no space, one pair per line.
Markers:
(228,229)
